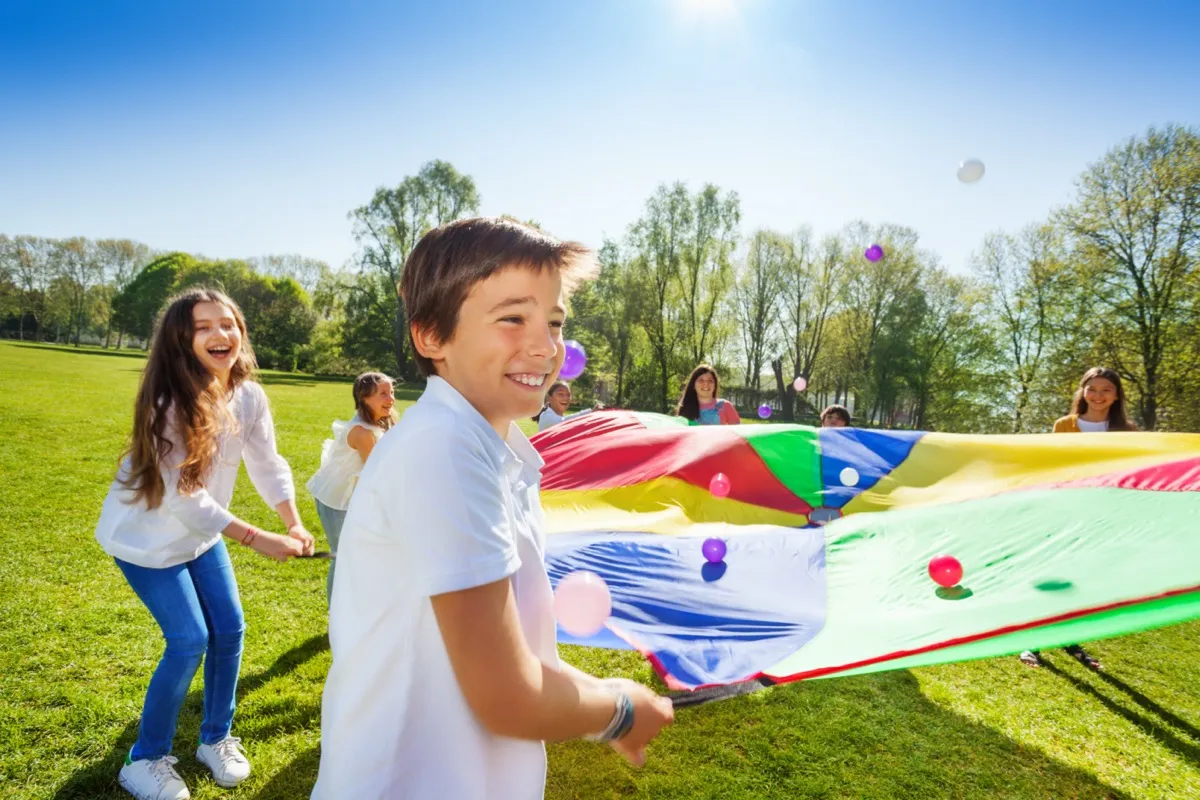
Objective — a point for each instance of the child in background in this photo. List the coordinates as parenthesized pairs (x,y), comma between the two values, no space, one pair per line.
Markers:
(343,456)
(198,415)
(558,400)
(835,416)
(700,402)
(1098,407)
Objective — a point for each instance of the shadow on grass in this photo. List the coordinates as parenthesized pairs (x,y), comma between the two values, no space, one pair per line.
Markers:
(293,781)
(873,736)
(99,779)
(1188,751)
(270,378)
(84,351)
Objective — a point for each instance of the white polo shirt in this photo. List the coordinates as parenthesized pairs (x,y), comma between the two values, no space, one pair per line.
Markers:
(443,504)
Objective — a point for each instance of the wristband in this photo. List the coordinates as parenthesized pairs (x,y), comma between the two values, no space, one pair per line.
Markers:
(621,722)
(251,534)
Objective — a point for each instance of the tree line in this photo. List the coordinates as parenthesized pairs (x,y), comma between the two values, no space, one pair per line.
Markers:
(1111,278)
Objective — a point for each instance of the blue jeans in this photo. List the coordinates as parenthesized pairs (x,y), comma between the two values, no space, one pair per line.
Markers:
(332,520)
(198,609)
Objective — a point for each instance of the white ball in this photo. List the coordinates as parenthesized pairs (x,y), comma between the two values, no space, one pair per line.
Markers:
(970,170)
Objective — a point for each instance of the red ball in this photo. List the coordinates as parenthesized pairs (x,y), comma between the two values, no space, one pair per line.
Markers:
(945,570)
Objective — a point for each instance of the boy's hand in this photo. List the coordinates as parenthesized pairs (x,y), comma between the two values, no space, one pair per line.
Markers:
(305,538)
(280,548)
(651,713)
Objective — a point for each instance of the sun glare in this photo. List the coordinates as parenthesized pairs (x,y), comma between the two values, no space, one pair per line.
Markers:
(707,9)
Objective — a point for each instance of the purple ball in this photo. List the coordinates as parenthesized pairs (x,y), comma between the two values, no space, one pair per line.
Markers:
(764,411)
(574,360)
(714,550)
(874,253)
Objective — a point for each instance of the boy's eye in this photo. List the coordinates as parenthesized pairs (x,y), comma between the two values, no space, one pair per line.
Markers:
(556,324)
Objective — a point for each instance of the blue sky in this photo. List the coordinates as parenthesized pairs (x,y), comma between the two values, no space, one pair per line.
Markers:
(235,129)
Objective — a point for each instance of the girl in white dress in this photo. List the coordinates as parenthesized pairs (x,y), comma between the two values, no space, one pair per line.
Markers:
(343,456)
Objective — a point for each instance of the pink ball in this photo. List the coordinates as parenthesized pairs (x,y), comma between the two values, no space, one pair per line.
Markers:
(800,384)
(582,603)
(945,570)
(720,485)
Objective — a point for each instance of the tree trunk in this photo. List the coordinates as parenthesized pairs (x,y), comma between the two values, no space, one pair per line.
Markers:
(1149,404)
(785,391)
(662,369)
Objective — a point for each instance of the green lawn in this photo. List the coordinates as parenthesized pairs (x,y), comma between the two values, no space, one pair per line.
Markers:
(77,648)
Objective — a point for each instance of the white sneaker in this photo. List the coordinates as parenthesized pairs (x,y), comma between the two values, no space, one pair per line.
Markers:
(227,761)
(155,779)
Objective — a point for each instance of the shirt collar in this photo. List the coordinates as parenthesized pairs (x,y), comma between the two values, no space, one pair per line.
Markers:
(521,461)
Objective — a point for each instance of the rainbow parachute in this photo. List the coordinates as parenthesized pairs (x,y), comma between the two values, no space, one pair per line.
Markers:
(1063,539)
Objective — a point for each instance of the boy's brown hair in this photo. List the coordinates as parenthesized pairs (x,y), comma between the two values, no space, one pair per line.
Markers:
(449,260)
(836,411)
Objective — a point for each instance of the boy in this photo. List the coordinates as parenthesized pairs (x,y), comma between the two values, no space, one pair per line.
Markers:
(446,679)
(835,417)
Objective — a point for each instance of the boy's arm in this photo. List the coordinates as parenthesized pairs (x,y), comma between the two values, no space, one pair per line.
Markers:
(509,690)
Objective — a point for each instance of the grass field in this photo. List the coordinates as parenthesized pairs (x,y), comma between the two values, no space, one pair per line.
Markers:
(77,648)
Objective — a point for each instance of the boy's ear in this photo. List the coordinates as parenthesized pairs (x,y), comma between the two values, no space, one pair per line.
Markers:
(426,342)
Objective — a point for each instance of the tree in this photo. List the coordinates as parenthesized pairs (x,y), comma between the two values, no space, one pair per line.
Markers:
(120,260)
(29,267)
(308,272)
(610,309)
(77,264)
(710,235)
(873,295)
(1136,227)
(756,298)
(658,240)
(945,322)
(1025,283)
(10,302)
(136,307)
(808,295)
(390,225)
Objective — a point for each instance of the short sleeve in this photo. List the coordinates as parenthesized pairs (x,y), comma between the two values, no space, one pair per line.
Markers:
(450,513)
(729,414)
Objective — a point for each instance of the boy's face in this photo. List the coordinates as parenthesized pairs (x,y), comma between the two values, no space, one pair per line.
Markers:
(508,346)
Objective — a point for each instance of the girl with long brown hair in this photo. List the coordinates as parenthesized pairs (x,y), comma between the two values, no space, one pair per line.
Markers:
(343,456)
(1097,407)
(198,415)
(701,403)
